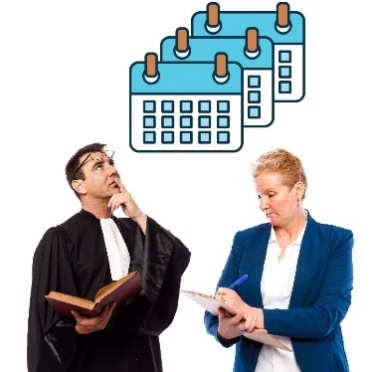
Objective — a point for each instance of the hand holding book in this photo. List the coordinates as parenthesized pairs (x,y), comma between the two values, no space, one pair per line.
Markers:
(85,325)
(119,291)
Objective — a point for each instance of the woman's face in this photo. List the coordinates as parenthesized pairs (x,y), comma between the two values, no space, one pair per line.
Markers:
(278,202)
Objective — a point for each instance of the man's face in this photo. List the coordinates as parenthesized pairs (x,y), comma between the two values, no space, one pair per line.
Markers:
(100,174)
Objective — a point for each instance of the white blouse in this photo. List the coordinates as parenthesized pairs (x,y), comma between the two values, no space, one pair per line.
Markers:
(276,289)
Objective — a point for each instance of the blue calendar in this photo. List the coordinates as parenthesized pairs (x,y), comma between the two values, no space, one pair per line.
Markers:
(285,29)
(257,77)
(226,74)
(185,107)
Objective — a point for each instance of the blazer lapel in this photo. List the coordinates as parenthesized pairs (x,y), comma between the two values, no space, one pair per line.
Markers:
(308,265)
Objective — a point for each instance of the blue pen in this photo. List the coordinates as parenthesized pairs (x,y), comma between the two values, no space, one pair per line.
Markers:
(239,281)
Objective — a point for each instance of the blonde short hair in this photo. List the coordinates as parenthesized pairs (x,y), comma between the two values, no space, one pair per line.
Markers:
(280,161)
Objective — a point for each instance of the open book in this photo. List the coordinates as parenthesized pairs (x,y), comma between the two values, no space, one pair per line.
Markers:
(120,291)
(211,304)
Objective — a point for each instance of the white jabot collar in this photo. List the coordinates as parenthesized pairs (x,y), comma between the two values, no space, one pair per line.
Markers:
(117,251)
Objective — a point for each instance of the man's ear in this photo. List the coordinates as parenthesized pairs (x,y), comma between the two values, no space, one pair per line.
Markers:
(78,186)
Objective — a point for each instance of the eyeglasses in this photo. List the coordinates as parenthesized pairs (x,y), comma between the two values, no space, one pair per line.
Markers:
(95,156)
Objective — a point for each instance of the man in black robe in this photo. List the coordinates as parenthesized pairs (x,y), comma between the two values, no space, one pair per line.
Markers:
(73,258)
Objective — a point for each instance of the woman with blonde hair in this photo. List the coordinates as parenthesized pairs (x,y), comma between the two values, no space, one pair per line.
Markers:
(300,279)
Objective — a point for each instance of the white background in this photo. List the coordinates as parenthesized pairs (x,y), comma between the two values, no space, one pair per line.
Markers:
(64,82)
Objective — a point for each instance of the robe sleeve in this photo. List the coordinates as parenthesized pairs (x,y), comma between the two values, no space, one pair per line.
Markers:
(51,338)
(165,259)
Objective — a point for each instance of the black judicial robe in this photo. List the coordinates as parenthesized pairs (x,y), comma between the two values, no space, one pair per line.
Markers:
(72,258)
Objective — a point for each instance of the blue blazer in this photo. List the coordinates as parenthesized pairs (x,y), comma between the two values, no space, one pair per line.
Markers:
(320,298)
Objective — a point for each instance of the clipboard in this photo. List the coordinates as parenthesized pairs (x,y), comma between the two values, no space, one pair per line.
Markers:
(211,304)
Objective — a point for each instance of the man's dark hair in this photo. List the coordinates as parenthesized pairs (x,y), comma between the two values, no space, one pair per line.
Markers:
(74,162)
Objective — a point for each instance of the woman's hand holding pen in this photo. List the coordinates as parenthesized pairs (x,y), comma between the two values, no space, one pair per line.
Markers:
(247,319)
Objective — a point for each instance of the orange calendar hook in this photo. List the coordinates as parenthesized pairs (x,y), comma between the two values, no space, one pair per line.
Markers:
(182,48)
(213,23)
(283,23)
(221,73)
(151,73)
(252,49)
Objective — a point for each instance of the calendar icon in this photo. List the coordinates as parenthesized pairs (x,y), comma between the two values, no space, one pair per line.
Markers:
(207,87)
(186,106)
(284,27)
(253,53)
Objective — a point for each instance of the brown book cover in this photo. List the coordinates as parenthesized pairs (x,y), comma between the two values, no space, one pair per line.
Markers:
(120,291)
